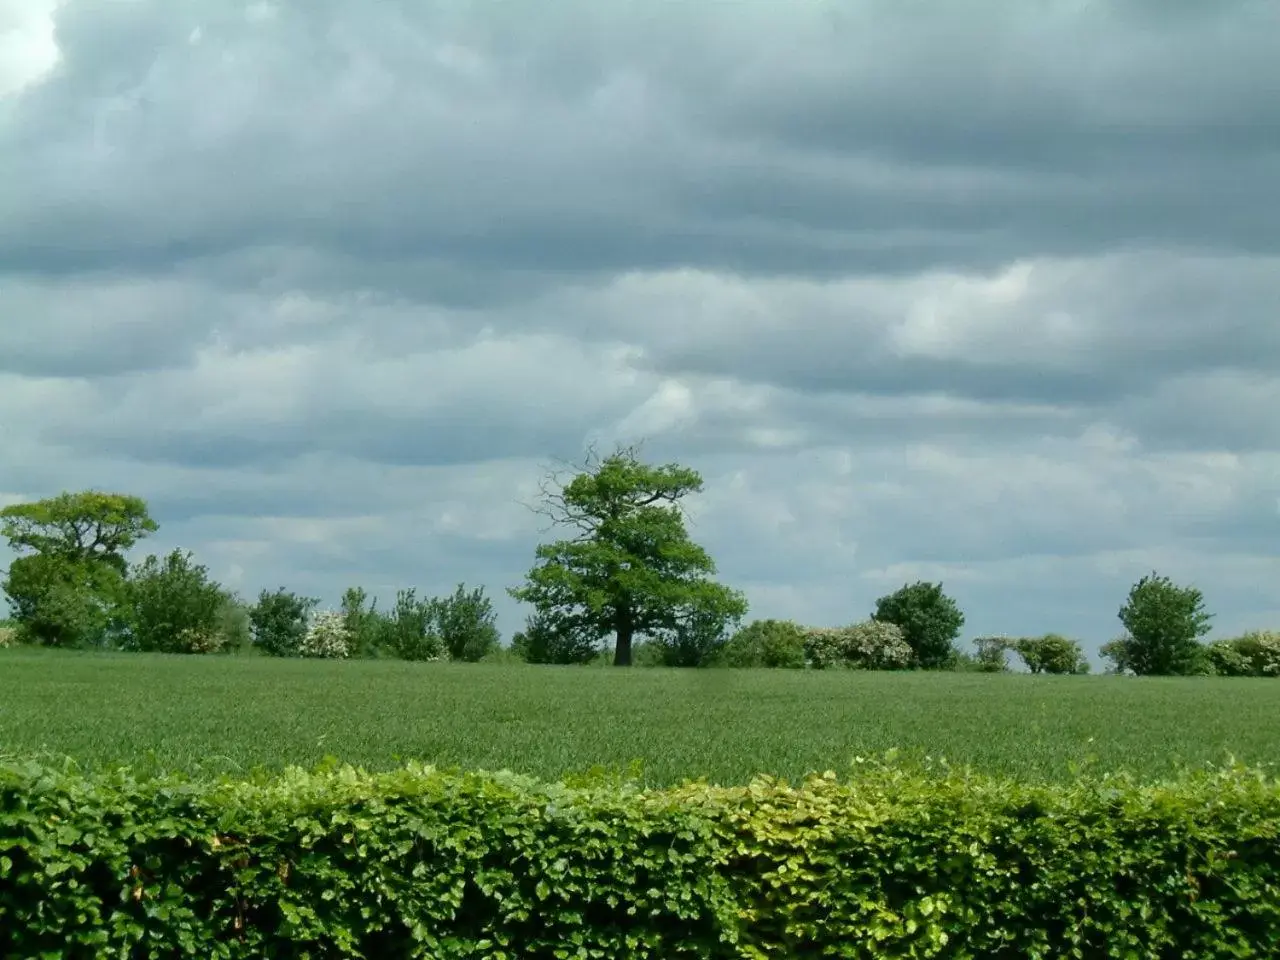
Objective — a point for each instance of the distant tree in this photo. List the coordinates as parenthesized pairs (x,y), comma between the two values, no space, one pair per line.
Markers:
(64,588)
(327,637)
(765,643)
(694,642)
(467,624)
(631,569)
(1254,654)
(868,645)
(992,654)
(929,619)
(173,606)
(79,527)
(58,602)
(1052,653)
(411,630)
(234,624)
(1118,653)
(1164,624)
(279,622)
(544,639)
(362,621)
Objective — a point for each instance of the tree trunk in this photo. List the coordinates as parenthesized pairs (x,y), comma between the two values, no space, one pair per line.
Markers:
(622,648)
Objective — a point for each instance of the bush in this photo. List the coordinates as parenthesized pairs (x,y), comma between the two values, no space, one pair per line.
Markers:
(765,643)
(57,602)
(172,606)
(411,629)
(553,640)
(279,622)
(1255,654)
(1052,653)
(869,645)
(467,624)
(892,863)
(327,637)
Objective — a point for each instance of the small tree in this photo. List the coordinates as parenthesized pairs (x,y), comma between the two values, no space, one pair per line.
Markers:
(1052,653)
(696,641)
(172,606)
(58,602)
(1118,653)
(547,640)
(929,619)
(362,621)
(765,643)
(411,629)
(467,624)
(992,654)
(1164,624)
(631,569)
(79,527)
(279,622)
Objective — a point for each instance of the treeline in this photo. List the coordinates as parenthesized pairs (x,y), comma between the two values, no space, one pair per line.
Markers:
(627,586)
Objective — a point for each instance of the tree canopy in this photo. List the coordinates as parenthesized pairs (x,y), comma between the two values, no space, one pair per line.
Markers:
(85,526)
(629,568)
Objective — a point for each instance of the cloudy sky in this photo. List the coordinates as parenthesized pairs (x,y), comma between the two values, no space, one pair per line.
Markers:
(976,292)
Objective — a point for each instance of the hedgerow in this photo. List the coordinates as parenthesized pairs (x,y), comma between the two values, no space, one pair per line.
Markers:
(891,862)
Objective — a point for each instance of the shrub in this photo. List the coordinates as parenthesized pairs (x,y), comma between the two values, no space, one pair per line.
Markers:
(894,862)
(57,602)
(327,637)
(172,606)
(1052,653)
(765,643)
(992,654)
(411,629)
(869,645)
(363,623)
(279,622)
(466,624)
(549,639)
(1261,650)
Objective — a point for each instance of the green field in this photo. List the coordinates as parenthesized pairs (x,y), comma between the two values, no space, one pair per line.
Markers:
(234,713)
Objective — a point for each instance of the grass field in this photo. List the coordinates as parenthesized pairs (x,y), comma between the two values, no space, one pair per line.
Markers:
(228,714)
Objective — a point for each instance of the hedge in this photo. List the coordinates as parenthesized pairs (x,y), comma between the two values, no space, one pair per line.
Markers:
(889,862)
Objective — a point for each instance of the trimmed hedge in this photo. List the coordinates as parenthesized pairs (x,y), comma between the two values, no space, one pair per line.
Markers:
(893,862)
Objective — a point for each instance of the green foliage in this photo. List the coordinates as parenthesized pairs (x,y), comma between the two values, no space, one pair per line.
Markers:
(172,606)
(234,624)
(930,622)
(631,570)
(1052,653)
(893,862)
(549,639)
(411,630)
(1164,624)
(467,624)
(78,527)
(1118,652)
(765,643)
(1255,654)
(869,645)
(696,641)
(363,622)
(59,602)
(279,622)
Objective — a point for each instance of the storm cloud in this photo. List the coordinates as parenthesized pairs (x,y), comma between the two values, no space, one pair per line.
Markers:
(982,293)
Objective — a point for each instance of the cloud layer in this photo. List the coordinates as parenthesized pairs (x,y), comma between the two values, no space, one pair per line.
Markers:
(983,294)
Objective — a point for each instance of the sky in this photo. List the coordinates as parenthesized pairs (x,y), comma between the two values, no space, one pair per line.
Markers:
(981,293)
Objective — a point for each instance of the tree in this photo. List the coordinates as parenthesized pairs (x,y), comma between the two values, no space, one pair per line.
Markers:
(78,527)
(172,606)
(467,624)
(765,643)
(696,641)
(546,640)
(411,629)
(992,654)
(631,568)
(1164,624)
(1052,653)
(1117,651)
(868,645)
(930,622)
(327,637)
(362,621)
(58,602)
(279,622)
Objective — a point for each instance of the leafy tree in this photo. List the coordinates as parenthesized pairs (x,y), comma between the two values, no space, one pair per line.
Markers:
(411,629)
(1164,624)
(1052,653)
(695,642)
(929,619)
(234,624)
(363,623)
(765,643)
(1255,654)
(467,624)
(279,622)
(59,602)
(88,526)
(545,639)
(1118,653)
(631,569)
(172,606)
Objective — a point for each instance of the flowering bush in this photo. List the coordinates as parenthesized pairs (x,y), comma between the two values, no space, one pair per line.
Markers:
(327,636)
(196,640)
(1261,651)
(869,645)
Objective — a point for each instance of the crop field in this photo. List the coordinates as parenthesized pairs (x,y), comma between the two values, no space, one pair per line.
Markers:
(220,714)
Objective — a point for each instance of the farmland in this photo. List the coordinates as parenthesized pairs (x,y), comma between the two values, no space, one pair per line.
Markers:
(230,714)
